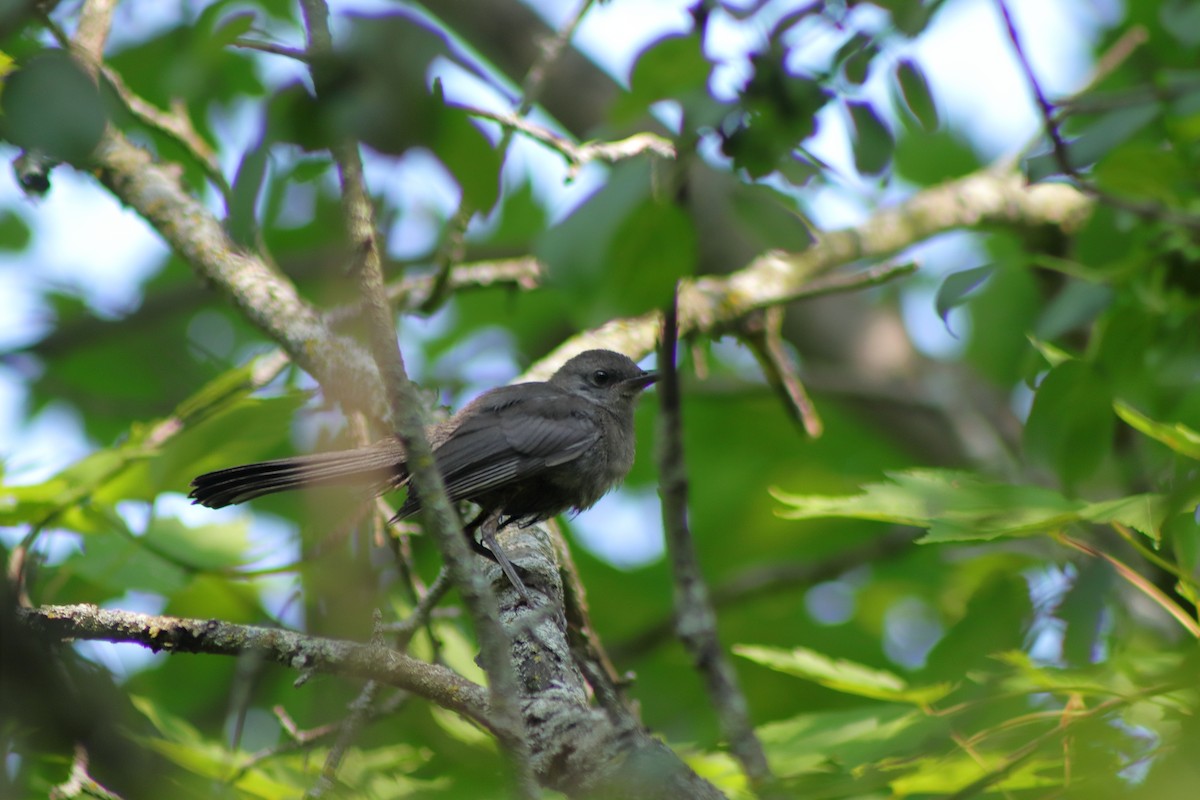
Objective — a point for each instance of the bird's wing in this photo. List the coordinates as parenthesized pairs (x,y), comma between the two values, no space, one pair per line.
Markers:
(513,436)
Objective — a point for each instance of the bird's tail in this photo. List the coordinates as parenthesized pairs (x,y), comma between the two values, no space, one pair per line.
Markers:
(378,468)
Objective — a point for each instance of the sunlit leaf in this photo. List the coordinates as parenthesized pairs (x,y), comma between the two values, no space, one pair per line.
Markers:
(960,506)
(946,775)
(1178,437)
(843,676)
(853,737)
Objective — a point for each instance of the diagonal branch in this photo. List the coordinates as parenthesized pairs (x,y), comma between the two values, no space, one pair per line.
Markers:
(408,420)
(268,300)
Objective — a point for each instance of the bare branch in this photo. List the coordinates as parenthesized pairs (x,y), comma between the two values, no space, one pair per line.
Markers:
(987,197)
(763,333)
(759,581)
(1146,209)
(287,648)
(95,21)
(79,783)
(266,299)
(1061,155)
(408,418)
(274,49)
(695,618)
(578,155)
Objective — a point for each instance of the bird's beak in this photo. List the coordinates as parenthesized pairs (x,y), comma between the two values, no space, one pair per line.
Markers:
(640,382)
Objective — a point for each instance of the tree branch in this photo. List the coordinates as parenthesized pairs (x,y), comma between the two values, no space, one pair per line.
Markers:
(988,197)
(408,419)
(574,748)
(695,618)
(287,648)
(267,299)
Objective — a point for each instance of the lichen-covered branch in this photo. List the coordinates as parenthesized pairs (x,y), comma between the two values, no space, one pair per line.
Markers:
(266,298)
(288,648)
(991,197)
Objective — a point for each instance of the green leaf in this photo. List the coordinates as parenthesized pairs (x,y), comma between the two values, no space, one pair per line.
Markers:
(14,231)
(1145,513)
(1097,140)
(247,186)
(621,252)
(996,619)
(929,158)
(956,287)
(953,506)
(472,159)
(957,506)
(855,56)
(918,99)
(850,738)
(1178,437)
(1054,355)
(214,547)
(873,141)
(653,248)
(669,67)
(119,561)
(1181,19)
(232,28)
(1071,424)
(1083,611)
(1079,303)
(50,105)
(942,776)
(1142,169)
(843,676)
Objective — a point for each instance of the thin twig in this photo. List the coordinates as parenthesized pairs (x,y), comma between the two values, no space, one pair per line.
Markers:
(1139,582)
(419,617)
(551,49)
(1146,209)
(695,618)
(274,49)
(756,582)
(451,250)
(79,783)
(1066,720)
(762,331)
(578,155)
(360,713)
(1061,154)
(407,418)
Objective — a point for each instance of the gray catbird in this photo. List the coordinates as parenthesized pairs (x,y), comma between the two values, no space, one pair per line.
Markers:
(523,453)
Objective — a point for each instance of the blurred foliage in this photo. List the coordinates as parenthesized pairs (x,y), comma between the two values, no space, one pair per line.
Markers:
(1038,640)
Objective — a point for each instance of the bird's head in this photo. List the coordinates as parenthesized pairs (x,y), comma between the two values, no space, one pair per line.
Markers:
(603,376)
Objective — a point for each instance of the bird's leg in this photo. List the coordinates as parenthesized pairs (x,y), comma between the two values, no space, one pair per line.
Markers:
(487,546)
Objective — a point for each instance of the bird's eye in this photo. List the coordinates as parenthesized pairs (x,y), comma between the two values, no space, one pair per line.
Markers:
(601,377)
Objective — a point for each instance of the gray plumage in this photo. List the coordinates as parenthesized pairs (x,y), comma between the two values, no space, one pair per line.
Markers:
(523,453)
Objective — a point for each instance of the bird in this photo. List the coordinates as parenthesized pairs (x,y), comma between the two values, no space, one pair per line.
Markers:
(523,453)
